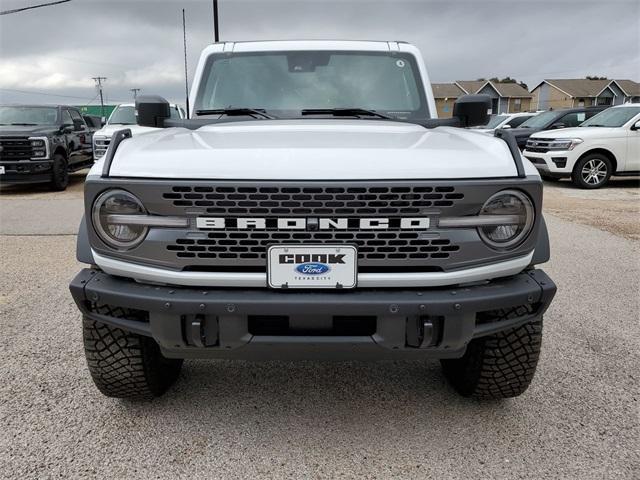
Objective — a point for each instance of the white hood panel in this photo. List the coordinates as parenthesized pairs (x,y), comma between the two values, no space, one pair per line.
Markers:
(109,130)
(314,150)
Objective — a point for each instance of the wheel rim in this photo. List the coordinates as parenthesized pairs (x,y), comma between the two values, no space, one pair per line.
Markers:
(594,172)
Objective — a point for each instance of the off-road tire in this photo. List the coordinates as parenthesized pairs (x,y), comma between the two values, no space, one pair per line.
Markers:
(595,159)
(127,365)
(500,365)
(59,173)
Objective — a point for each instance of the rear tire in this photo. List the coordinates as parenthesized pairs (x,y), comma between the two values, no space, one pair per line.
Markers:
(592,171)
(60,173)
(127,365)
(500,365)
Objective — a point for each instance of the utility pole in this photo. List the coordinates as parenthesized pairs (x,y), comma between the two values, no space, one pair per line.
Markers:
(135,92)
(216,36)
(99,81)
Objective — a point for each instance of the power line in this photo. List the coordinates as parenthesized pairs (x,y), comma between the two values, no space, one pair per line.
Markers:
(16,10)
(42,93)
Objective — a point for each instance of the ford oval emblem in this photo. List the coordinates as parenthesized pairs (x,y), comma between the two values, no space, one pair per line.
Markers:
(312,268)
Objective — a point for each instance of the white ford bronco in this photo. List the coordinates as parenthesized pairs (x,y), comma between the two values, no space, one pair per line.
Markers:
(312,206)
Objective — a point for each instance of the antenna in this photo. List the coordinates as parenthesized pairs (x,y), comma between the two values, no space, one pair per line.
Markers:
(216,37)
(186,77)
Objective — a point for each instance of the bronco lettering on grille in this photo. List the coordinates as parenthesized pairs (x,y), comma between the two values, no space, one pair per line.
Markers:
(245,223)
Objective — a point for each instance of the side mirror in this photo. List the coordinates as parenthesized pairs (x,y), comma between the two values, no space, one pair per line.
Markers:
(556,126)
(66,128)
(472,110)
(152,110)
(636,126)
(505,127)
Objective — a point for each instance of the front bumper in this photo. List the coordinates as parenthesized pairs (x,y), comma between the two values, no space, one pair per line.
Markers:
(28,171)
(355,324)
(557,164)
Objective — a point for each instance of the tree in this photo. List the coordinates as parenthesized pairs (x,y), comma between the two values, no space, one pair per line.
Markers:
(595,77)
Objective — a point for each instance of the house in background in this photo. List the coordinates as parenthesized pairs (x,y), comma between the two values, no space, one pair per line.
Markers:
(630,89)
(506,97)
(583,92)
(445,95)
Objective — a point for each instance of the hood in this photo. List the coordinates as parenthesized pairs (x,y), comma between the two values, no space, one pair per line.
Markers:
(524,132)
(109,130)
(313,150)
(28,129)
(581,132)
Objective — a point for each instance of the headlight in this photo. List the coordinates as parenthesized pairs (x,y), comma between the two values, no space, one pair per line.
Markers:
(114,232)
(519,213)
(564,144)
(39,148)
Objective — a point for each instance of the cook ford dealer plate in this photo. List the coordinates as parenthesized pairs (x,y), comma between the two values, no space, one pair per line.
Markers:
(312,266)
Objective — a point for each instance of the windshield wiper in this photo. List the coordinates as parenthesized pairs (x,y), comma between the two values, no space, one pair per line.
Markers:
(251,112)
(24,124)
(344,112)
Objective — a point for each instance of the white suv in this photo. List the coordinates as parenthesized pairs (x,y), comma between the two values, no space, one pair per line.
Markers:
(124,114)
(607,144)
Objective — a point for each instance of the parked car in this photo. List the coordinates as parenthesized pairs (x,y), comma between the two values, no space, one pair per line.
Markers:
(124,114)
(94,122)
(553,120)
(508,120)
(42,144)
(605,145)
(326,216)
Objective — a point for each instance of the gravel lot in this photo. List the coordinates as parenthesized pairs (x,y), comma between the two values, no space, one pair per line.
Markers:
(579,419)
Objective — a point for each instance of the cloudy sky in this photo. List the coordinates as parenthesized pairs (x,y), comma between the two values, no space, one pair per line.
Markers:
(49,55)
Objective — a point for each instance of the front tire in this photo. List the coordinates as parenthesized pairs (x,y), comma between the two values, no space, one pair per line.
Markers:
(592,171)
(60,173)
(500,365)
(127,365)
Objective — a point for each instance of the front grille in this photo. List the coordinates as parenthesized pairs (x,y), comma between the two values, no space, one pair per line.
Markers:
(328,201)
(15,148)
(538,145)
(100,146)
(372,245)
(391,249)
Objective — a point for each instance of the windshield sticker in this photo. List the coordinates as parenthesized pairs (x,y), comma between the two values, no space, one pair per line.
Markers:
(400,63)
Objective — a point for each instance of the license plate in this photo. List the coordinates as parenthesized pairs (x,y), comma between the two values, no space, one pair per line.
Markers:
(2,170)
(312,266)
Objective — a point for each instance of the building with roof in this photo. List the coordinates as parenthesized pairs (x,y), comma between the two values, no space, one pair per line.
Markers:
(583,92)
(445,95)
(506,97)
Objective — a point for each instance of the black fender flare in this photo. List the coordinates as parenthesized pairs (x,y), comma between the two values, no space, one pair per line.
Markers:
(83,248)
(542,252)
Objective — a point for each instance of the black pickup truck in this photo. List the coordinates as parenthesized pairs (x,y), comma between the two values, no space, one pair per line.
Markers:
(43,144)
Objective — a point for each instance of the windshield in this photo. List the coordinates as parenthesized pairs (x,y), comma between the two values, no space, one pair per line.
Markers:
(612,117)
(126,115)
(28,115)
(495,121)
(285,83)
(540,121)
(123,115)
